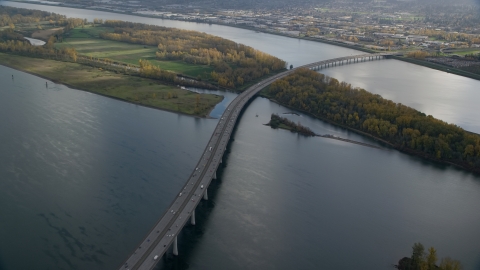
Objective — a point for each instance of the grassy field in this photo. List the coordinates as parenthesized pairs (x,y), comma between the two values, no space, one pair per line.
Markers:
(45,34)
(128,88)
(86,42)
(28,29)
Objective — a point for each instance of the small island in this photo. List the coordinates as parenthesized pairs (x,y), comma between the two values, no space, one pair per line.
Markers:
(277,121)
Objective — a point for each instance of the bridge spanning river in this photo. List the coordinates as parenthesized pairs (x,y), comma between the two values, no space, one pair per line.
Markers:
(182,209)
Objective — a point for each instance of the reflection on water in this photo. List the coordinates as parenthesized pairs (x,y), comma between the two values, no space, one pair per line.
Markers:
(84,177)
(220,107)
(285,201)
(446,96)
(78,170)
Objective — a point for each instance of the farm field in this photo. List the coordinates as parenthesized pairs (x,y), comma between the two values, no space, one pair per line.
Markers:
(86,42)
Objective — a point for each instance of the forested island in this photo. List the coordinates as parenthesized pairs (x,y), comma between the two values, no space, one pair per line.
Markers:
(277,121)
(400,126)
(421,260)
(143,64)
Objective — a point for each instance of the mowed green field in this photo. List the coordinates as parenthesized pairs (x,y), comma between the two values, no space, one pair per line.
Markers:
(86,42)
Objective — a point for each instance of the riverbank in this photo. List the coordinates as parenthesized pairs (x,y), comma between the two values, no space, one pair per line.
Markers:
(283,123)
(427,64)
(452,70)
(132,89)
(386,143)
(320,40)
(431,65)
(263,94)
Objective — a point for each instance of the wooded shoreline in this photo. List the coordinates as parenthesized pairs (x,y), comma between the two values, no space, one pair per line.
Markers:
(331,101)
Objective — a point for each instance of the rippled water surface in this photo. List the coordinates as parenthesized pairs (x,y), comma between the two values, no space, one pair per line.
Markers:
(83,177)
(78,170)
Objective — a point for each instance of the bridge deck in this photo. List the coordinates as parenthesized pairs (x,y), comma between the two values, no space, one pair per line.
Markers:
(159,239)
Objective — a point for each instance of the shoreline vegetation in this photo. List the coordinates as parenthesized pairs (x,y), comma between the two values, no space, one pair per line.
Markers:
(397,125)
(135,90)
(427,64)
(233,65)
(452,70)
(138,63)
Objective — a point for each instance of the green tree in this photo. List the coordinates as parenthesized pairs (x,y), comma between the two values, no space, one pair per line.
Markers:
(431,258)
(418,254)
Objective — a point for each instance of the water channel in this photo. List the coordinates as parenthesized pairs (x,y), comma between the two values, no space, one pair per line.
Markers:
(83,177)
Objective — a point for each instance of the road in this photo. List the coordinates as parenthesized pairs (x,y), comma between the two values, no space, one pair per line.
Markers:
(163,234)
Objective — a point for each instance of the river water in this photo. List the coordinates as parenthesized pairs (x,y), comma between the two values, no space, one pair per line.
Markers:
(84,177)
(446,96)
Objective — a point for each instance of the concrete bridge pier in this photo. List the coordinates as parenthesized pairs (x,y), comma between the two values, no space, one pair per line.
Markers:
(205,195)
(215,175)
(175,247)
(192,217)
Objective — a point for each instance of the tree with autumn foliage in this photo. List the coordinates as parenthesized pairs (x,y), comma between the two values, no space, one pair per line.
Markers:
(234,64)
